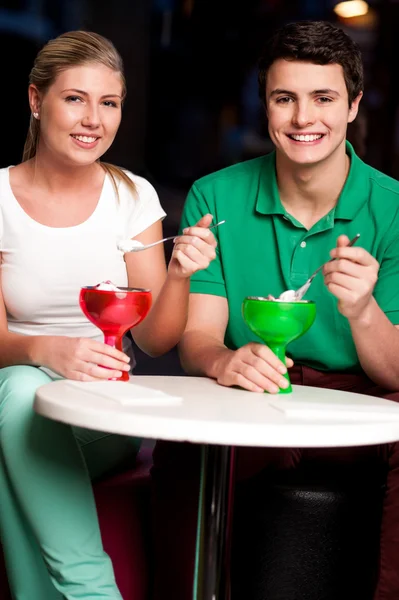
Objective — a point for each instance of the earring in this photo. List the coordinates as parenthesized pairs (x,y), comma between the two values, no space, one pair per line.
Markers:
(36,115)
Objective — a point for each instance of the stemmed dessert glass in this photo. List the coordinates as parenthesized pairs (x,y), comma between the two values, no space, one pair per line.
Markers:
(278,323)
(114,312)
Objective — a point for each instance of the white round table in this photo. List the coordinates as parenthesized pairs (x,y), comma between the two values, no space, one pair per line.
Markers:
(197,409)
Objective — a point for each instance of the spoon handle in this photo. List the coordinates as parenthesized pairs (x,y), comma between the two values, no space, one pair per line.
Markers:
(351,243)
(171,237)
(299,294)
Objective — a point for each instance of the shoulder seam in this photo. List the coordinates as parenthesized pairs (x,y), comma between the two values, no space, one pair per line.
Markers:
(380,184)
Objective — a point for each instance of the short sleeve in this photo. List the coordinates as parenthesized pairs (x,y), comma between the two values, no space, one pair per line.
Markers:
(210,280)
(386,291)
(141,210)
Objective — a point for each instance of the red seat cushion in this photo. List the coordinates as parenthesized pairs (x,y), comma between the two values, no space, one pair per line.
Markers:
(123,505)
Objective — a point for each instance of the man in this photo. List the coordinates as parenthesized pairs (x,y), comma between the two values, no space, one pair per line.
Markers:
(286,213)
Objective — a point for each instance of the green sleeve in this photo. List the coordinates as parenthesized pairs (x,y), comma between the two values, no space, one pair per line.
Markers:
(210,280)
(386,291)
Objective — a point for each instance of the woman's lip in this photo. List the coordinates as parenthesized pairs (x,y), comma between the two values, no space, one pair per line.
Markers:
(86,145)
(85,135)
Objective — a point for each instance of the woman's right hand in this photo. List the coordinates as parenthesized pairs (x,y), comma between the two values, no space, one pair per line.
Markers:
(81,359)
(253,367)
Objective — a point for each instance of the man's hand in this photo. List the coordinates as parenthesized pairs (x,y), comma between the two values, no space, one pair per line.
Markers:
(253,367)
(351,278)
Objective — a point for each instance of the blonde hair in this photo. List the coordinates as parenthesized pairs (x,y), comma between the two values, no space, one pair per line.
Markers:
(73,49)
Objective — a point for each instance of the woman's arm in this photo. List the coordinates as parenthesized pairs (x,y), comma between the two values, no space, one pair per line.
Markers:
(15,349)
(75,358)
(164,325)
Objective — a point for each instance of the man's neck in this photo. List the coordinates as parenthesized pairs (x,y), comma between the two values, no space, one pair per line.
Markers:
(308,193)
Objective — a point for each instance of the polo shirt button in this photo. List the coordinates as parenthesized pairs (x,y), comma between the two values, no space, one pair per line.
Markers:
(303,244)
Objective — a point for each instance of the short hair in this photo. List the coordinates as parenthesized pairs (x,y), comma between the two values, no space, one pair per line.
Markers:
(317,42)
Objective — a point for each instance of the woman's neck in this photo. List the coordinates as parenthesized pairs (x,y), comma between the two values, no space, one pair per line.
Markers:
(57,178)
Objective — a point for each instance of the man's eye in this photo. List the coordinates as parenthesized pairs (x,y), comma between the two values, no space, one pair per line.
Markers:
(324,100)
(284,100)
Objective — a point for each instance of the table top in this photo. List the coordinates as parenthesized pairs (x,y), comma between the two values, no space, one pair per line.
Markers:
(197,409)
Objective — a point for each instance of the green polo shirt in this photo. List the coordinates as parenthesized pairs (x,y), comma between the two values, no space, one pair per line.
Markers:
(263,250)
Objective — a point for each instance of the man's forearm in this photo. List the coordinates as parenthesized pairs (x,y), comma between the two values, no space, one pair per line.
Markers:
(377,345)
(201,354)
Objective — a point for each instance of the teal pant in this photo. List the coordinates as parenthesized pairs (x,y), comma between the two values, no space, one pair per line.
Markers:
(48,521)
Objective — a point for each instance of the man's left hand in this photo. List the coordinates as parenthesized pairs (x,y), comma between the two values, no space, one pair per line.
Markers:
(351,278)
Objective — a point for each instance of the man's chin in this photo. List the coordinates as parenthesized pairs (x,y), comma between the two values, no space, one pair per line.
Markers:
(305,159)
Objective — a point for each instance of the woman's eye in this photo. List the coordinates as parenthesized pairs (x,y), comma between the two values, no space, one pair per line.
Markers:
(110,103)
(73,99)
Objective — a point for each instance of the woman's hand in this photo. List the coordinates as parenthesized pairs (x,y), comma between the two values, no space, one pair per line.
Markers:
(351,278)
(193,250)
(82,359)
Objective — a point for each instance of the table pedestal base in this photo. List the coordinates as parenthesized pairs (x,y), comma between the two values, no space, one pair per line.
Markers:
(212,569)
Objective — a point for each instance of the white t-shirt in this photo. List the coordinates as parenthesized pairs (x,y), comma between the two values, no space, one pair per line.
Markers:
(42,277)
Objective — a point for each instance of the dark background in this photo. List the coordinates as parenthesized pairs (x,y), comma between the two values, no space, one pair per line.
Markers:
(192,104)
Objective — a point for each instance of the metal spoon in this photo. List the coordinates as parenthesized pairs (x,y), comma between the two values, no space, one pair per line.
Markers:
(300,292)
(136,246)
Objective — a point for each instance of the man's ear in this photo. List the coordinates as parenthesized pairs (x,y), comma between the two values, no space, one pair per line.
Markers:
(354,108)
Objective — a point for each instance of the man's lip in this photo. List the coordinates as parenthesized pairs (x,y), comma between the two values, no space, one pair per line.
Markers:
(306,133)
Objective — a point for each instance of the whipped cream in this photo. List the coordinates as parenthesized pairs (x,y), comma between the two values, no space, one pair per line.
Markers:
(107,286)
(287,296)
(129,245)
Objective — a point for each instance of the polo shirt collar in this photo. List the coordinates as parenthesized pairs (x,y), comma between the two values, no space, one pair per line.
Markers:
(356,189)
(268,201)
(352,198)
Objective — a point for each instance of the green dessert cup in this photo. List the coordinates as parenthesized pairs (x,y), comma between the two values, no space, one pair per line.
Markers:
(278,323)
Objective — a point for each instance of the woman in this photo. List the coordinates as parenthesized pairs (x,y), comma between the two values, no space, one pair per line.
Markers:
(63,214)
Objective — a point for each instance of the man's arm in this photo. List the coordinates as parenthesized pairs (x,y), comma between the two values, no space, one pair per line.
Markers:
(352,278)
(202,350)
(377,345)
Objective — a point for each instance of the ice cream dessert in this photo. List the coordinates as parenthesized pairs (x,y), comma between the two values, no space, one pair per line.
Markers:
(107,286)
(287,296)
(129,245)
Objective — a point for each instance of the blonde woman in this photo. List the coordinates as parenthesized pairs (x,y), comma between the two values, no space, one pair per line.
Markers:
(63,213)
